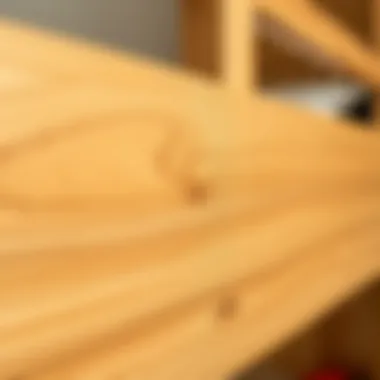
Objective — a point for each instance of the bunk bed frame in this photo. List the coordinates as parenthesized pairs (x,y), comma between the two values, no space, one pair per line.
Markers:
(158,224)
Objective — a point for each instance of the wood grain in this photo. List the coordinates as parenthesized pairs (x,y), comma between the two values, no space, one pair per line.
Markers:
(289,300)
(149,216)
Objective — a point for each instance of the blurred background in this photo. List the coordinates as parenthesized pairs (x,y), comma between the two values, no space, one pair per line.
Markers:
(183,31)
(146,26)
(155,27)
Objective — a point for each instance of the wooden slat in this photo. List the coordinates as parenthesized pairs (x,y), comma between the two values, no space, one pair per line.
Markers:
(234,326)
(321,31)
(218,37)
(114,89)
(327,162)
(138,272)
(280,183)
(237,39)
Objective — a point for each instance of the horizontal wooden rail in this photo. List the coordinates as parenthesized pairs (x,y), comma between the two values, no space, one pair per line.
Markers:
(322,32)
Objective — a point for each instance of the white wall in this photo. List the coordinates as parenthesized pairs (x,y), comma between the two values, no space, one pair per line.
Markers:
(146,26)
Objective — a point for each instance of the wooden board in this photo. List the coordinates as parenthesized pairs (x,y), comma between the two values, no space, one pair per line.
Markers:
(154,223)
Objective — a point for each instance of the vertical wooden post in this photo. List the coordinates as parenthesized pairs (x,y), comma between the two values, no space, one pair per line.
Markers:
(237,43)
(217,38)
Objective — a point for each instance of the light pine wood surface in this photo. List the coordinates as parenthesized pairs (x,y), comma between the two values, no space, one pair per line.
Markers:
(158,225)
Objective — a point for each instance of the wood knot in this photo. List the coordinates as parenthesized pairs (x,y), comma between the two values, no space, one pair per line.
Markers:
(227,308)
(198,193)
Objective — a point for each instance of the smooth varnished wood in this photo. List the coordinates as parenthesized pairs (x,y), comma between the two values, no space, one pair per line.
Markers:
(236,325)
(153,222)
(237,44)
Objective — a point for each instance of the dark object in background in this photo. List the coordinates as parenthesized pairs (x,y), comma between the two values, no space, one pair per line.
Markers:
(361,110)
